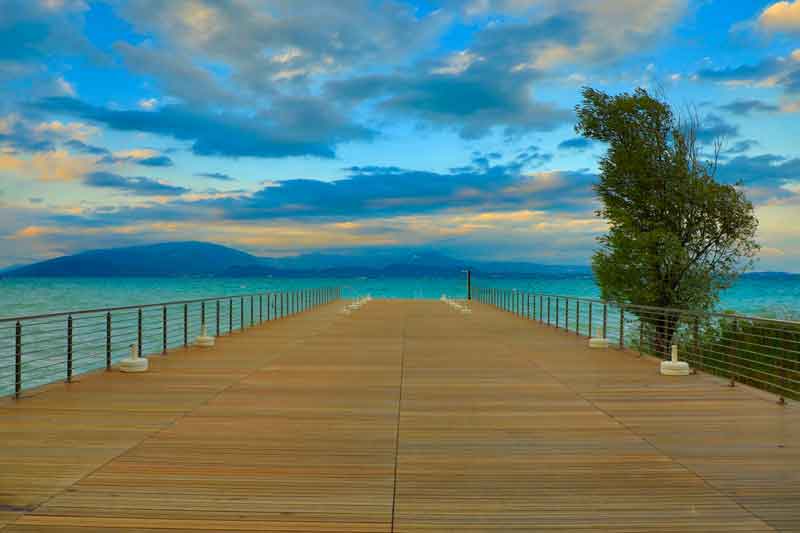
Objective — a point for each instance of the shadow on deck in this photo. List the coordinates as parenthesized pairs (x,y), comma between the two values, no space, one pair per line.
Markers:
(404,416)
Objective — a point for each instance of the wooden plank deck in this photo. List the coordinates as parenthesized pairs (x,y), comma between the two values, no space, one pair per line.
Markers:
(405,416)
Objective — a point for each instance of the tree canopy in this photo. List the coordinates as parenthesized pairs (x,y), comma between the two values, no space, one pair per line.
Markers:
(676,236)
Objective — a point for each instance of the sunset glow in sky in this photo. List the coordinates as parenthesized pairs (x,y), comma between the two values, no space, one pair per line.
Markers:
(282,126)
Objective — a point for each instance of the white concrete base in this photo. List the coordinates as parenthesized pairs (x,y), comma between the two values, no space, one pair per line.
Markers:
(134,364)
(598,342)
(677,368)
(204,339)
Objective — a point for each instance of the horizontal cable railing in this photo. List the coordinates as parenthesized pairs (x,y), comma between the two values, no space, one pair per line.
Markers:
(761,352)
(39,349)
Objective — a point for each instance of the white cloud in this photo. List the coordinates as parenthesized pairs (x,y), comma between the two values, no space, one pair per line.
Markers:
(66,87)
(148,103)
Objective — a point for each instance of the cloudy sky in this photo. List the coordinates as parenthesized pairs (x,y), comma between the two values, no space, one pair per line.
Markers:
(281,126)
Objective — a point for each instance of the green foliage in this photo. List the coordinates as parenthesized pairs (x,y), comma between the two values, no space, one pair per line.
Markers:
(762,354)
(676,236)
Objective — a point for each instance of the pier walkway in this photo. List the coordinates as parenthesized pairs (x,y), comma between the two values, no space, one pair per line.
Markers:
(405,416)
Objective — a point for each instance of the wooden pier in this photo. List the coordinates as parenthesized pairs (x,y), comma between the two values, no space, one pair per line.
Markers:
(405,416)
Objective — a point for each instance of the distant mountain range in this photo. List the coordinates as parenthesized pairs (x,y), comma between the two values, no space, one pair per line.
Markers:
(177,259)
(193,259)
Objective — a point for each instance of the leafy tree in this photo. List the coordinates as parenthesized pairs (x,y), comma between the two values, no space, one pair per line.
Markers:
(676,236)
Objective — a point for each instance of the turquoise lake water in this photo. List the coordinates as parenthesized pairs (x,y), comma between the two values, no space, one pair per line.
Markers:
(771,297)
(44,344)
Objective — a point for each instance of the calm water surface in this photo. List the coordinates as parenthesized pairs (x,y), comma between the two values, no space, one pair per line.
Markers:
(773,297)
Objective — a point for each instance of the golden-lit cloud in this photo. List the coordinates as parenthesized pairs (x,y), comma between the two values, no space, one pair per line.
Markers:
(781,16)
(136,153)
(59,165)
(68,130)
(10,163)
(29,232)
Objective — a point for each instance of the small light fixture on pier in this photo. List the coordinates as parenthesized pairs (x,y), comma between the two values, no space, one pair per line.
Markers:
(675,367)
(134,363)
(204,339)
(598,341)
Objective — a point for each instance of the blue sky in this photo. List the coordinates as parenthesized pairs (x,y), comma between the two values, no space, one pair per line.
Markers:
(285,126)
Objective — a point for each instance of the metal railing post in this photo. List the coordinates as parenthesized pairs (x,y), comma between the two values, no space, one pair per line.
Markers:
(621,327)
(577,317)
(252,307)
(590,319)
(241,313)
(69,348)
(641,336)
(230,315)
(17,359)
(108,340)
(566,314)
(605,321)
(139,333)
(217,317)
(164,328)
(260,308)
(557,307)
(202,314)
(185,325)
(696,332)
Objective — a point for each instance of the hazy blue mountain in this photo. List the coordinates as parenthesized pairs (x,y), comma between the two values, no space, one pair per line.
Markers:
(205,259)
(166,259)
(175,259)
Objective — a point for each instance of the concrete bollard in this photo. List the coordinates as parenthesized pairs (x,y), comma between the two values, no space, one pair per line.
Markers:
(204,339)
(134,363)
(598,341)
(675,367)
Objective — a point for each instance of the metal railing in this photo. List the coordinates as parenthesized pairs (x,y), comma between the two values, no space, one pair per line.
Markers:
(761,352)
(40,349)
